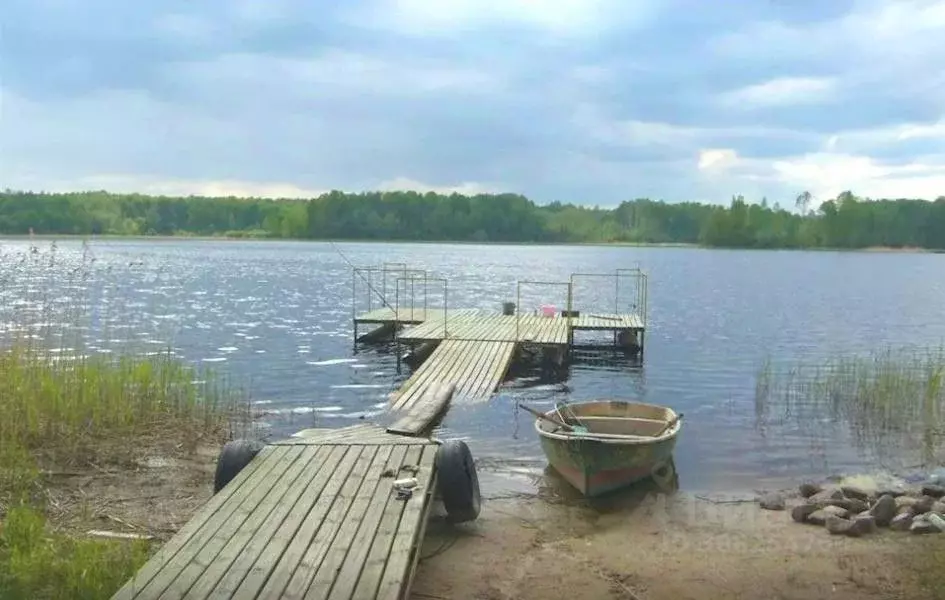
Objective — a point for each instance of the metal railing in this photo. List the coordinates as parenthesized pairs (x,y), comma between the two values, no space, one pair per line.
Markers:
(409,284)
(640,303)
(642,290)
(518,302)
(368,276)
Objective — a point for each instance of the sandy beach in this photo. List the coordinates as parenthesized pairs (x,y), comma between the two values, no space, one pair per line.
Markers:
(660,548)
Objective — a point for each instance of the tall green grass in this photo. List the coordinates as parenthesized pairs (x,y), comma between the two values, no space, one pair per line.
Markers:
(892,401)
(63,403)
(74,408)
(37,565)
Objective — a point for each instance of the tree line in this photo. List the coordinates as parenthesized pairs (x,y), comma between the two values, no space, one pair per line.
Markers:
(846,221)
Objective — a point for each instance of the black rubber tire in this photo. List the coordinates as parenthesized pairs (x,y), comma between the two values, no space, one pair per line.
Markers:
(457,481)
(234,456)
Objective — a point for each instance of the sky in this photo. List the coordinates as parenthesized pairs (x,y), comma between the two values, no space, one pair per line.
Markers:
(585,101)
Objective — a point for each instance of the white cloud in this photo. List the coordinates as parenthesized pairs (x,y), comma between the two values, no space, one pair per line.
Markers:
(630,132)
(827,174)
(874,42)
(172,187)
(864,140)
(333,72)
(782,91)
(558,17)
(407,184)
(717,159)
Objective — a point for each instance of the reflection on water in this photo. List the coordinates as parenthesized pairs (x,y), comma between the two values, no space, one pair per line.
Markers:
(277,316)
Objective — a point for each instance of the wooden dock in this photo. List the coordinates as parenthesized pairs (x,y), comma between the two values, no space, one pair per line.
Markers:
(493,328)
(475,367)
(315,516)
(340,514)
(474,348)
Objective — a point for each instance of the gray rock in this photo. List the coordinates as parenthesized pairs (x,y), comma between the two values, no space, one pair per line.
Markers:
(920,525)
(854,505)
(936,520)
(901,522)
(863,524)
(894,492)
(903,501)
(800,512)
(923,505)
(884,510)
(819,516)
(826,497)
(939,507)
(809,488)
(773,501)
(936,491)
(837,525)
(851,491)
(906,510)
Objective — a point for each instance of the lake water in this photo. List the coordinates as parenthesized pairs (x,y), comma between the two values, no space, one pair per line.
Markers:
(276,316)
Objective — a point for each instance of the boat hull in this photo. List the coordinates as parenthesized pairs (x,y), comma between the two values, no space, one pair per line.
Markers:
(596,468)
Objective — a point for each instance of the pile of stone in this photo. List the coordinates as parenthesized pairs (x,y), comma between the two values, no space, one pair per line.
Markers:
(853,511)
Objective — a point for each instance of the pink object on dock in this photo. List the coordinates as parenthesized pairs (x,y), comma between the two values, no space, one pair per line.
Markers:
(547,310)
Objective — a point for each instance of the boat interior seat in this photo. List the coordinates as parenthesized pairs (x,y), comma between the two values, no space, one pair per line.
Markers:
(623,425)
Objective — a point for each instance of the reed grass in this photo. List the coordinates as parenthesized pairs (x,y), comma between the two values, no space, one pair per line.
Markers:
(63,402)
(892,402)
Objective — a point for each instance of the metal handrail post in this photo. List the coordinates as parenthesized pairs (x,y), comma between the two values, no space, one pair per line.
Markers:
(518,309)
(617,294)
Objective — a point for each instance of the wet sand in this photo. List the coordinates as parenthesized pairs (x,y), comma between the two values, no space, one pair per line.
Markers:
(647,546)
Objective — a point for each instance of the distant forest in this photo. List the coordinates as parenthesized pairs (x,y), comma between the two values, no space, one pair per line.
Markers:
(844,222)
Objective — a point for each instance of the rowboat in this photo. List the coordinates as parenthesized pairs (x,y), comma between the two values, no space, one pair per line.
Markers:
(602,446)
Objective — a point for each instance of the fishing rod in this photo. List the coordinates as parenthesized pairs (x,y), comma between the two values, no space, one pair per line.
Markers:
(358,273)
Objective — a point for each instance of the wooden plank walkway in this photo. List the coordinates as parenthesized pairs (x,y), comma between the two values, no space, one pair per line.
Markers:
(314,516)
(494,328)
(607,321)
(475,367)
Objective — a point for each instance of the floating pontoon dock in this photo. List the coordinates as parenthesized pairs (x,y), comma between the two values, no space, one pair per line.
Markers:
(473,348)
(316,516)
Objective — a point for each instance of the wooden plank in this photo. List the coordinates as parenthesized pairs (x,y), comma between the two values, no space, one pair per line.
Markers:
(404,551)
(481,371)
(250,513)
(453,370)
(376,558)
(248,574)
(330,539)
(445,353)
(232,563)
(501,355)
(387,439)
(500,366)
(427,410)
(342,485)
(344,565)
(502,358)
(220,524)
(452,356)
(214,512)
(442,353)
(471,362)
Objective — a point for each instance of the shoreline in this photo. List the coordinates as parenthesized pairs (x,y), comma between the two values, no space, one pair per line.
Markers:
(636,544)
(683,245)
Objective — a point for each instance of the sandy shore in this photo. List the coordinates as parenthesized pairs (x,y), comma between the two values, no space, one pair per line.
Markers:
(648,546)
